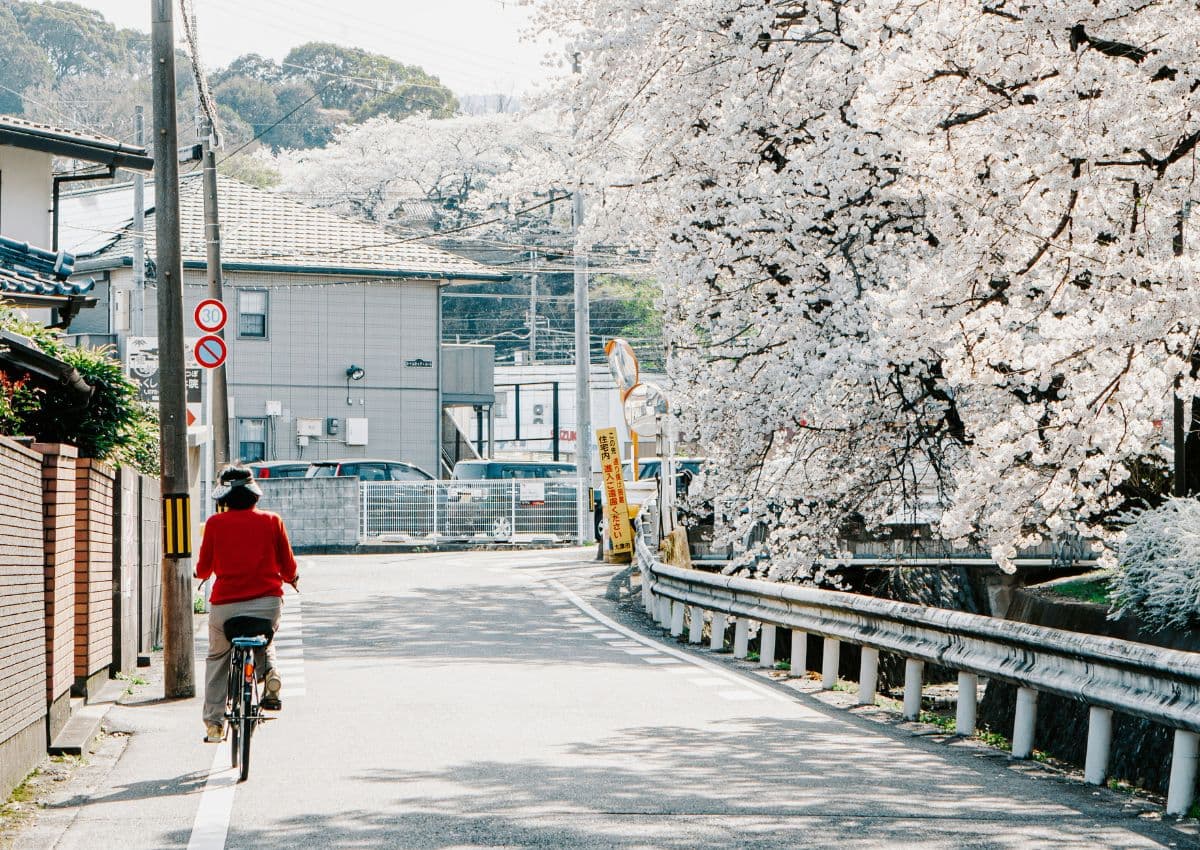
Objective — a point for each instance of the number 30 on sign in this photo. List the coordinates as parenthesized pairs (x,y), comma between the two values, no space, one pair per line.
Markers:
(210,315)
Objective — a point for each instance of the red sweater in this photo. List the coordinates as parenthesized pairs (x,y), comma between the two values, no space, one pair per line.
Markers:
(249,553)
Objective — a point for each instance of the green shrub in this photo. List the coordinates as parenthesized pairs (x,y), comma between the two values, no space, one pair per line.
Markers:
(115,426)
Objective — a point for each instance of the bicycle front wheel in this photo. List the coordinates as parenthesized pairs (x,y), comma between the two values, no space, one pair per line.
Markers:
(247,724)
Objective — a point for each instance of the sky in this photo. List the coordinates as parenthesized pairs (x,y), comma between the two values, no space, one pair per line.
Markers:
(473,46)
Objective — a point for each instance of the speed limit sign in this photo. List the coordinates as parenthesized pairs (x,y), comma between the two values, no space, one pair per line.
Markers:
(210,315)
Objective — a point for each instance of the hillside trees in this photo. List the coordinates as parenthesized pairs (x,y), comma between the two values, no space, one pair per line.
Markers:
(910,251)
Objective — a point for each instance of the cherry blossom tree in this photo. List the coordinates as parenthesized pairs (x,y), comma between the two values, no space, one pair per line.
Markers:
(440,170)
(910,250)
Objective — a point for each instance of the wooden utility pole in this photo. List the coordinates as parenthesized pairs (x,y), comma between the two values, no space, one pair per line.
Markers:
(178,667)
(216,288)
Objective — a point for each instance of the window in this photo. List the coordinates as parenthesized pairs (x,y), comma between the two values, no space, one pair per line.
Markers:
(252,314)
(252,439)
(404,472)
(365,471)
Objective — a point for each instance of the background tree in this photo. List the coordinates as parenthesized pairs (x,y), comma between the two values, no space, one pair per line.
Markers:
(23,63)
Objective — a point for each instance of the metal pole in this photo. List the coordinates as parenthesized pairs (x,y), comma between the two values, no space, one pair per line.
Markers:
(139,230)
(533,297)
(583,390)
(218,387)
(178,649)
(555,419)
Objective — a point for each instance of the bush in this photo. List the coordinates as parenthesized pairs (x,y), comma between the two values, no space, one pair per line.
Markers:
(1158,567)
(115,426)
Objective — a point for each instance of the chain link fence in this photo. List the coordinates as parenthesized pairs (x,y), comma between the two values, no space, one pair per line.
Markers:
(511,511)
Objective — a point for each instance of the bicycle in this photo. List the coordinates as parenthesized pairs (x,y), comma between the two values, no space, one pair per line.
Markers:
(243,711)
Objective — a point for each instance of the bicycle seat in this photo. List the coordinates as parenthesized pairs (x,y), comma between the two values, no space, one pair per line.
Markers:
(248,631)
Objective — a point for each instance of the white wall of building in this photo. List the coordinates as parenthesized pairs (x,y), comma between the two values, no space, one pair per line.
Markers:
(26,188)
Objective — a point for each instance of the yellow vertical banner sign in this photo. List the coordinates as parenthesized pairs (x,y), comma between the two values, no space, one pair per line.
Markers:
(177,525)
(616,509)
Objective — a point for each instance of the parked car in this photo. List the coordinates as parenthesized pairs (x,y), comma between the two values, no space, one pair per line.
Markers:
(499,470)
(279,469)
(545,506)
(368,470)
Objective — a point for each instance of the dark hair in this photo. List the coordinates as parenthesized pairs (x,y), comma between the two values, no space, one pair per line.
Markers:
(239,499)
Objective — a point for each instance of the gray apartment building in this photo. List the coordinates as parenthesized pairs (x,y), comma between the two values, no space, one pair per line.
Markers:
(334,325)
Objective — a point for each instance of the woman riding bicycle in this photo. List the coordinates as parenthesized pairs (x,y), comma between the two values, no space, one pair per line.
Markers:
(249,553)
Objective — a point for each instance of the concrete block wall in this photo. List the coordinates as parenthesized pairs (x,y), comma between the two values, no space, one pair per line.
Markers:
(94,487)
(58,539)
(22,607)
(318,512)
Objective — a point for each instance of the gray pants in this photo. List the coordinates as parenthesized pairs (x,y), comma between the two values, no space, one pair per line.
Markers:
(216,675)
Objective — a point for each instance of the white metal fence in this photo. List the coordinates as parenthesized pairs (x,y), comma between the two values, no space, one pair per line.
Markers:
(510,511)
(1161,685)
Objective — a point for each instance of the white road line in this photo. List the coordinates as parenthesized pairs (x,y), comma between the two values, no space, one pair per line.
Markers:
(640,652)
(211,825)
(705,664)
(662,660)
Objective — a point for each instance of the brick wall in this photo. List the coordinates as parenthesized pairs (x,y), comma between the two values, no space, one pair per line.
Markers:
(22,606)
(318,512)
(93,568)
(58,535)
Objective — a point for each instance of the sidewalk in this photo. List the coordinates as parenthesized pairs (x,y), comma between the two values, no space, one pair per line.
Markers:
(149,769)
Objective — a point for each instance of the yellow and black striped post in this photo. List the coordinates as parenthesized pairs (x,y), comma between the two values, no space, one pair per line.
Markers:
(177,526)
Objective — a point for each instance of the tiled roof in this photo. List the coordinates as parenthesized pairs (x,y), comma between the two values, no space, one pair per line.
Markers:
(262,230)
(72,143)
(26,270)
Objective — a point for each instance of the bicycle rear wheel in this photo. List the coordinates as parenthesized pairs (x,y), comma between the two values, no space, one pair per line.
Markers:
(235,705)
(247,724)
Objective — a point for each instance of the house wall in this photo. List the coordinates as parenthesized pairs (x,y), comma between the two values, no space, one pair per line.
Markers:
(93,571)
(22,607)
(25,195)
(58,535)
(318,326)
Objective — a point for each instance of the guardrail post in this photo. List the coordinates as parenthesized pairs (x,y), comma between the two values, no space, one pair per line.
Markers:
(1182,790)
(868,676)
(968,697)
(663,615)
(1095,769)
(799,660)
(716,641)
(831,657)
(766,649)
(677,609)
(741,637)
(914,672)
(1024,723)
(696,627)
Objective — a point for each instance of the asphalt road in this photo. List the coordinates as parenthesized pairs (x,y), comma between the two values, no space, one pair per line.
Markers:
(516,700)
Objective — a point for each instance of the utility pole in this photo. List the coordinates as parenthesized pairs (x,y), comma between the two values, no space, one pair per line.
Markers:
(216,285)
(533,296)
(178,669)
(583,332)
(139,231)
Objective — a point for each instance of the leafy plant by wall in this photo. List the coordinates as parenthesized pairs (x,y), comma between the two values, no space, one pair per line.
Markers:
(115,426)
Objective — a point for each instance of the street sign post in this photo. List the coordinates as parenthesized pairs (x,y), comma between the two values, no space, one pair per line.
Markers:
(210,351)
(210,315)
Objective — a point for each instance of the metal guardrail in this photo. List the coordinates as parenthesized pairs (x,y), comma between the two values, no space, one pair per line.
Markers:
(509,511)
(1161,685)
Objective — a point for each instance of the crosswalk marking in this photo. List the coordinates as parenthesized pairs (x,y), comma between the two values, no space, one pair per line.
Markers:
(289,649)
